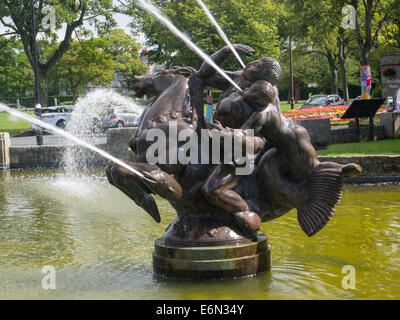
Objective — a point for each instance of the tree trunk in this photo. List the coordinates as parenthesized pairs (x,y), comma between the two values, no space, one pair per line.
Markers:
(74,95)
(364,42)
(23,27)
(365,55)
(342,65)
(334,80)
(297,94)
(291,74)
(43,88)
(334,72)
(345,86)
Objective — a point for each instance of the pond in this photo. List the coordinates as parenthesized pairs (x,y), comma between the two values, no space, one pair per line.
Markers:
(100,244)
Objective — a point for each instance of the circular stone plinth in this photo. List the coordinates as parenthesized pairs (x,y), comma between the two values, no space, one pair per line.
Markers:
(212,262)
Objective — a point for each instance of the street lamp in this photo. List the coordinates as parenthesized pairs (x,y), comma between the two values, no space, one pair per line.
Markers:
(291,74)
(38,107)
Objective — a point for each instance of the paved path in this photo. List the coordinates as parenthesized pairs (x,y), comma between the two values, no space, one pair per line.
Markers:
(53,140)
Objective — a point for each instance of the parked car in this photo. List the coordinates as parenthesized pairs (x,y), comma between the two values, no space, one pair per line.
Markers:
(393,103)
(61,115)
(119,117)
(322,100)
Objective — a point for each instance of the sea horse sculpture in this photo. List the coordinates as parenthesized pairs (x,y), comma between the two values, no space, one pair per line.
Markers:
(215,205)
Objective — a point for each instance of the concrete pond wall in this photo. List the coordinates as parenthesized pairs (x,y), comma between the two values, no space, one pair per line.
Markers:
(373,166)
(52,156)
(391,122)
(323,134)
(348,135)
(117,145)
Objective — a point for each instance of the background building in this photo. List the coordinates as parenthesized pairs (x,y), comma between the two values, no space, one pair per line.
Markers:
(390,73)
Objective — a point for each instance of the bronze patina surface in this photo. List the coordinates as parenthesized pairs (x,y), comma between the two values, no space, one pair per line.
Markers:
(214,204)
(214,262)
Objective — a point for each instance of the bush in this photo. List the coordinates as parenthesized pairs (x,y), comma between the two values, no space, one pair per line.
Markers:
(29,102)
(377,91)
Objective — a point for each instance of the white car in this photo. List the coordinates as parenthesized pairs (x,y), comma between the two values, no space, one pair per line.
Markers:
(393,103)
(61,115)
(120,117)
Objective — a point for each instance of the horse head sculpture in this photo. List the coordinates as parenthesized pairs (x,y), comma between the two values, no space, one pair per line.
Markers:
(155,84)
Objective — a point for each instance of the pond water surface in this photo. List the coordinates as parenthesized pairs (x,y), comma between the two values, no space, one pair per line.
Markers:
(100,244)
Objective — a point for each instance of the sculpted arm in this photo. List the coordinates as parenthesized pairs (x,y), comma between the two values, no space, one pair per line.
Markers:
(248,132)
(211,77)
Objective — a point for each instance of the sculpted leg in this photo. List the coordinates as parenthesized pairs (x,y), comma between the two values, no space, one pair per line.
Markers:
(133,186)
(279,188)
(315,195)
(218,191)
(166,186)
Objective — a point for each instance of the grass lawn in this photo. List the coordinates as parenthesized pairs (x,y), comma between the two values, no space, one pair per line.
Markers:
(381,147)
(286,106)
(13,125)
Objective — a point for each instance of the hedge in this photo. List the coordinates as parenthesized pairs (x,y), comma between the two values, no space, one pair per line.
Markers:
(29,102)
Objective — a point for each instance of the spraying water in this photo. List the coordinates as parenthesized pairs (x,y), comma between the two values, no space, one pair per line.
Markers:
(220,31)
(99,100)
(157,14)
(72,138)
(82,124)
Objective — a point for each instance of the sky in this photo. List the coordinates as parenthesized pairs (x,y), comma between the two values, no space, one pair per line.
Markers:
(121,19)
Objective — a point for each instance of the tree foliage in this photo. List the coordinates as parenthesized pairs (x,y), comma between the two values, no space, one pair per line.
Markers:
(251,22)
(16,76)
(125,52)
(85,63)
(369,13)
(96,60)
(16,16)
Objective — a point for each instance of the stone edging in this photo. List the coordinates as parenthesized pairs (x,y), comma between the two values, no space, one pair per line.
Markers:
(117,145)
(373,165)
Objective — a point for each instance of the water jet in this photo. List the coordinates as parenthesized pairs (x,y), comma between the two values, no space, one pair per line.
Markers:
(70,137)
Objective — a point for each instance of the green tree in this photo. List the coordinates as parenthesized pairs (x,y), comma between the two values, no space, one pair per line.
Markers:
(368,15)
(15,72)
(15,15)
(96,60)
(316,26)
(125,52)
(83,63)
(251,22)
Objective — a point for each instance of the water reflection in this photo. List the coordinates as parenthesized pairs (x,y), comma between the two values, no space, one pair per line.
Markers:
(101,243)
(5,184)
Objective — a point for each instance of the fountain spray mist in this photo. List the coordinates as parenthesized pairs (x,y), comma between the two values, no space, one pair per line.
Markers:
(157,14)
(220,31)
(72,138)
(81,125)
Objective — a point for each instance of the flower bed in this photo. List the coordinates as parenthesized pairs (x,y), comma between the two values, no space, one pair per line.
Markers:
(334,113)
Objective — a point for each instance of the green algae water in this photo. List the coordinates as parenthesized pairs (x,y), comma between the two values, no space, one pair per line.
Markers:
(100,244)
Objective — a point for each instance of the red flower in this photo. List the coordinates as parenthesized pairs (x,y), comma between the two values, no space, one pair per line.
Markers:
(331,112)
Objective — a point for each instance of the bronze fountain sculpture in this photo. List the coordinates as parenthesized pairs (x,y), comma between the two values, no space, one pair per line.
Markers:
(219,212)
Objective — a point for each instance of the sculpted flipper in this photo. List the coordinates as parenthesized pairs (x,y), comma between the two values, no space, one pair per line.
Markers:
(325,192)
(326,187)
